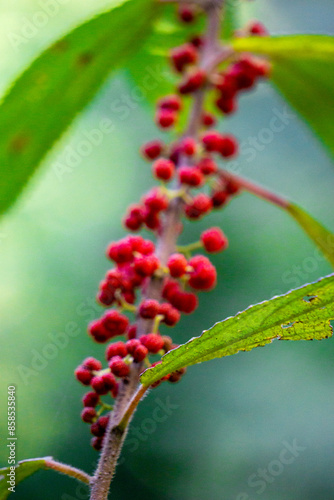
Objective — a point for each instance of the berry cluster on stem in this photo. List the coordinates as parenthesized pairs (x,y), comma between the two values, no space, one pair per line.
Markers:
(154,282)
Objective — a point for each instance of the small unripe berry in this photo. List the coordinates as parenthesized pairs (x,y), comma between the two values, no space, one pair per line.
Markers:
(214,240)
(177,264)
(152,150)
(149,308)
(118,367)
(153,342)
(116,349)
(163,169)
(165,118)
(91,399)
(88,414)
(191,176)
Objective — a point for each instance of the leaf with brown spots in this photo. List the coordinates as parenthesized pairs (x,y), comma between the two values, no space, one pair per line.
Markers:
(45,99)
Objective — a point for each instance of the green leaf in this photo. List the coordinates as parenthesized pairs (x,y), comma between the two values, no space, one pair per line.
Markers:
(323,238)
(54,89)
(302,314)
(303,71)
(23,469)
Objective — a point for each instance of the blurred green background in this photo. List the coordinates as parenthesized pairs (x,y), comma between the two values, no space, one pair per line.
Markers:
(228,418)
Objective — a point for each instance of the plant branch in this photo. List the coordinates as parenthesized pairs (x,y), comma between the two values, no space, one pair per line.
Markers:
(68,470)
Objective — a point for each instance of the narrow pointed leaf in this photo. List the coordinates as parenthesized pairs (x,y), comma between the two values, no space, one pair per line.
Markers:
(55,88)
(303,71)
(323,238)
(23,469)
(302,314)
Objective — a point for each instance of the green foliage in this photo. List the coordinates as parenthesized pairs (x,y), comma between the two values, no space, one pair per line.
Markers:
(55,88)
(23,469)
(303,71)
(302,314)
(318,233)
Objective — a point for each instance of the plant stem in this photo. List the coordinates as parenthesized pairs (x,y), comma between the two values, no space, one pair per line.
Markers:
(129,393)
(68,470)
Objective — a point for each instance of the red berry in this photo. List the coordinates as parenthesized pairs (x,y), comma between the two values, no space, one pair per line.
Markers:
(83,375)
(106,295)
(183,55)
(207,166)
(115,323)
(92,364)
(200,205)
(88,414)
(232,187)
(226,86)
(120,251)
(212,141)
(147,265)
(132,331)
(197,41)
(192,82)
(227,106)
(116,349)
(156,201)
(99,427)
(151,150)
(132,345)
(90,399)
(98,331)
(170,102)
(188,146)
(214,240)
(219,198)
(204,275)
(140,354)
(184,302)
(163,169)
(208,120)
(149,308)
(177,264)
(170,287)
(165,118)
(152,220)
(257,28)
(97,443)
(146,247)
(102,384)
(153,342)
(118,367)
(229,146)
(186,13)
(134,217)
(191,176)
(171,315)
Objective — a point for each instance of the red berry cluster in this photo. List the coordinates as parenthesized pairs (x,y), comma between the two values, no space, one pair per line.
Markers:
(192,164)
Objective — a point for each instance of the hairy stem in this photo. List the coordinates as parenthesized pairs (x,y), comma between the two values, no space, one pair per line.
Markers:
(129,393)
(68,470)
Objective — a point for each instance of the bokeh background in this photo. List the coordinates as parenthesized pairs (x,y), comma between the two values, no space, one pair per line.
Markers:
(228,418)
